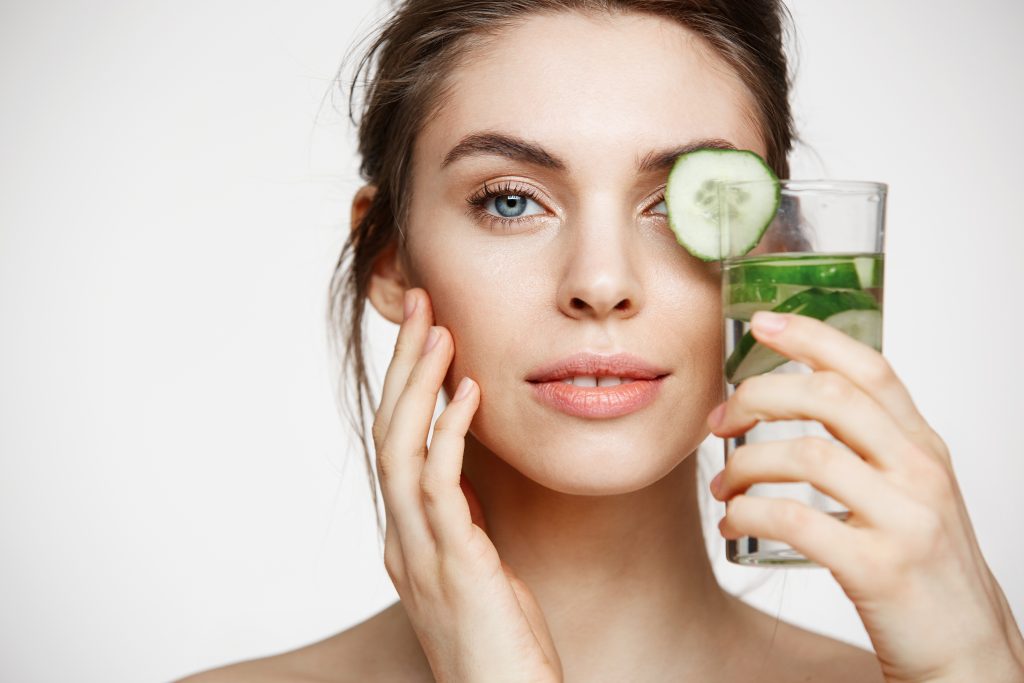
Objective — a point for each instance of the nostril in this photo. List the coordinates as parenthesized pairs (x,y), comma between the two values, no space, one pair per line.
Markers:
(579,304)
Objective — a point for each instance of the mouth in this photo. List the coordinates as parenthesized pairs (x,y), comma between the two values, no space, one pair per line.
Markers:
(598,386)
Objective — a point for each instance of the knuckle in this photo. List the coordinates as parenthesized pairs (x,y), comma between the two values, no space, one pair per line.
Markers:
(814,455)
(739,511)
(407,345)
(743,465)
(748,390)
(377,431)
(738,460)
(383,467)
(941,450)
(445,423)
(878,373)
(933,478)
(423,385)
(791,517)
(385,464)
(393,564)
(831,387)
(432,487)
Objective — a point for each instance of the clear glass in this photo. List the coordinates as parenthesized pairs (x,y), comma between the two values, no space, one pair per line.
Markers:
(822,256)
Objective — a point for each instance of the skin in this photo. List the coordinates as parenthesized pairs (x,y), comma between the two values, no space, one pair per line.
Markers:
(572,548)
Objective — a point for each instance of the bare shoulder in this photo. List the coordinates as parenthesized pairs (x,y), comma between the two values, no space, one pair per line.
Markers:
(382,648)
(796,655)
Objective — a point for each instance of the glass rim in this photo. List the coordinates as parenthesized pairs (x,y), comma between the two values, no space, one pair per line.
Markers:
(819,185)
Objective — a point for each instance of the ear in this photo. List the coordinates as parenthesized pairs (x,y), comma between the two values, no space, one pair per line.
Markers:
(388,280)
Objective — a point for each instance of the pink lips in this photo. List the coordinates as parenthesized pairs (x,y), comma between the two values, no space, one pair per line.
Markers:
(601,402)
(641,388)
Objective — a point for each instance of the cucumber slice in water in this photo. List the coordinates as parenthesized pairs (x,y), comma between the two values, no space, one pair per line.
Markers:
(864,325)
(835,272)
(869,270)
(855,313)
(691,196)
(744,299)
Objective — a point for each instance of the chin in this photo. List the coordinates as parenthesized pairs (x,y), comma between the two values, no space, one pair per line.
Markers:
(599,465)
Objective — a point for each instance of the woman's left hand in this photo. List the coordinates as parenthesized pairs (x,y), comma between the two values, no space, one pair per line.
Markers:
(907,555)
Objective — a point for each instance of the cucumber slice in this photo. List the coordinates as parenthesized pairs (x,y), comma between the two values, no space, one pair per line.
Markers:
(744,299)
(863,325)
(823,272)
(869,271)
(820,303)
(691,196)
(855,313)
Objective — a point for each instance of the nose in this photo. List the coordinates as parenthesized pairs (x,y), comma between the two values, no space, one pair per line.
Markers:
(600,278)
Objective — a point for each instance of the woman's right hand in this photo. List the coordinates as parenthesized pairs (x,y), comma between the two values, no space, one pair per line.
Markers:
(475,620)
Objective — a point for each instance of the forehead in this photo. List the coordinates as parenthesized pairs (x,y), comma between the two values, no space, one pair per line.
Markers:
(589,84)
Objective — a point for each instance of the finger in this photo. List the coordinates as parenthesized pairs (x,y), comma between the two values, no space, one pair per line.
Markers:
(404,449)
(476,510)
(816,535)
(845,411)
(823,347)
(446,506)
(412,335)
(826,465)
(394,559)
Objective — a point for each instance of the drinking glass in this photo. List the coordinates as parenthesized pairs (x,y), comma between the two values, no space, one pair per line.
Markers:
(821,256)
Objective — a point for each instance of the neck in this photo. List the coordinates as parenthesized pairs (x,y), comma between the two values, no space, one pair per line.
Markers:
(606,570)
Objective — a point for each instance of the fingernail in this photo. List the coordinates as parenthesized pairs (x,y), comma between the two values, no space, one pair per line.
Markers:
(432,339)
(715,418)
(716,483)
(768,322)
(410,304)
(463,391)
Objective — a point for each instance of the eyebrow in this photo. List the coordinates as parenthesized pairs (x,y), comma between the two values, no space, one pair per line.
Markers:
(518,149)
(664,159)
(500,144)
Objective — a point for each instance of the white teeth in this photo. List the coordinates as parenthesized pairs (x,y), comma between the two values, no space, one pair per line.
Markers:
(585,381)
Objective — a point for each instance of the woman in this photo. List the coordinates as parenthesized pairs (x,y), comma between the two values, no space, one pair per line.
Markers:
(515,153)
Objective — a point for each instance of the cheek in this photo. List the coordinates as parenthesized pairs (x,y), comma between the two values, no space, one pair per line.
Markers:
(700,334)
(488,321)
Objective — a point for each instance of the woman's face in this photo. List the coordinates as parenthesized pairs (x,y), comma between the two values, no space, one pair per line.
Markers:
(584,113)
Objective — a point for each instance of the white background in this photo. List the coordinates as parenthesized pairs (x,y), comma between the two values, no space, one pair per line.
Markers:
(177,489)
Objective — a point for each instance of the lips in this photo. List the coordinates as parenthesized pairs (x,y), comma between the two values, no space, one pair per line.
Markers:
(586,364)
(568,385)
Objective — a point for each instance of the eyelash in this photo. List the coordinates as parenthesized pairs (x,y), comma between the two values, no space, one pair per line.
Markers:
(479,200)
(488,192)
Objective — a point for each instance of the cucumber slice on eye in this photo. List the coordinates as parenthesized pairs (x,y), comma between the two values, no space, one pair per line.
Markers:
(853,312)
(691,196)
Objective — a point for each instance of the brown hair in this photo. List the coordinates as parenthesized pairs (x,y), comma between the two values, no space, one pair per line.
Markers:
(404,72)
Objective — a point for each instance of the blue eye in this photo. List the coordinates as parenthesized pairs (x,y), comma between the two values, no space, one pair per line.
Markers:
(660,207)
(513,205)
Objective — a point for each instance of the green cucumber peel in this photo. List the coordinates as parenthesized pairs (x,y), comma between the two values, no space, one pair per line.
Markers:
(750,357)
